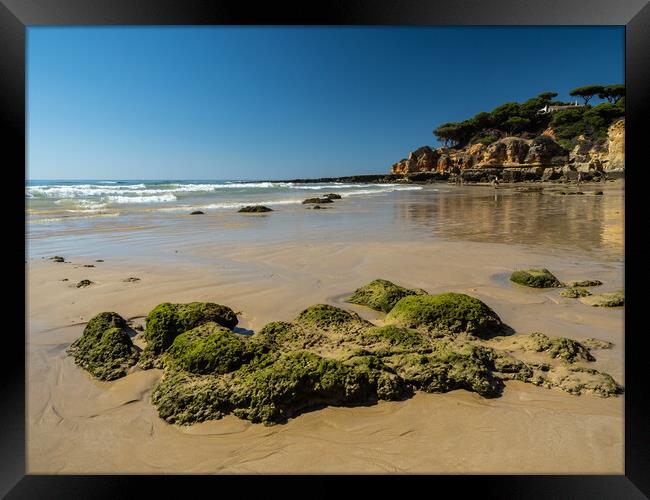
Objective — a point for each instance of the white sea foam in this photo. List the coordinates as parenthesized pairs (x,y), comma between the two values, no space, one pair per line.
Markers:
(229,204)
(97,196)
(380,191)
(141,199)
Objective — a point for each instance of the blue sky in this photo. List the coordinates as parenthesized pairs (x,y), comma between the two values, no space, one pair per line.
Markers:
(270,102)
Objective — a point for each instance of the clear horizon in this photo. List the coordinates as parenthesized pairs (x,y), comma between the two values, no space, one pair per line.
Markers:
(273,103)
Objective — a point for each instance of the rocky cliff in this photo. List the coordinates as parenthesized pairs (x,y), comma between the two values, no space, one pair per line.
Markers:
(520,158)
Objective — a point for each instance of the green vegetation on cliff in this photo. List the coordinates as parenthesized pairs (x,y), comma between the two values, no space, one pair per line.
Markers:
(525,119)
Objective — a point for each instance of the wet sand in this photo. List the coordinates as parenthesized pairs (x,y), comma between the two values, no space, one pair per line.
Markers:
(271,267)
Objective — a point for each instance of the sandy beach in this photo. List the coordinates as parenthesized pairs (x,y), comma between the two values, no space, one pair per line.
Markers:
(272,266)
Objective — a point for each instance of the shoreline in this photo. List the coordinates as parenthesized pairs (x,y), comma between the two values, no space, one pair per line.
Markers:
(440,177)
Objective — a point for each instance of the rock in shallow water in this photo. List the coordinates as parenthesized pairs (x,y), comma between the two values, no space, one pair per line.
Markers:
(317,200)
(611,299)
(255,209)
(584,283)
(535,278)
(575,292)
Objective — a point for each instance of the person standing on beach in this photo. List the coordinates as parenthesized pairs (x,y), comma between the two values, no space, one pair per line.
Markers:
(579,178)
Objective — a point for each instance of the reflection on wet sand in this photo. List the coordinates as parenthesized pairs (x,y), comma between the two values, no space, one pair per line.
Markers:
(588,222)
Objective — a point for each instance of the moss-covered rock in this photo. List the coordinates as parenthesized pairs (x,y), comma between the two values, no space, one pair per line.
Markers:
(105,348)
(447,313)
(326,317)
(294,382)
(579,380)
(448,367)
(211,348)
(394,339)
(381,295)
(255,209)
(562,348)
(611,299)
(575,292)
(57,258)
(592,343)
(333,196)
(330,356)
(275,387)
(536,278)
(289,336)
(584,283)
(183,398)
(317,200)
(166,321)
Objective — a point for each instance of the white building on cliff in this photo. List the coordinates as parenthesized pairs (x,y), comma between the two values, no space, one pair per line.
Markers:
(551,109)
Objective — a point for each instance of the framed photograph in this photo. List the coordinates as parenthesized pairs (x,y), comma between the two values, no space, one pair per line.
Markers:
(372,239)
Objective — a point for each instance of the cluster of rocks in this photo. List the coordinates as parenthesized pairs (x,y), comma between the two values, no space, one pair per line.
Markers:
(519,159)
(543,278)
(86,282)
(317,202)
(258,209)
(331,356)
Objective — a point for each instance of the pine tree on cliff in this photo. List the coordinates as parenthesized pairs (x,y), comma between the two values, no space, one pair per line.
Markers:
(587,92)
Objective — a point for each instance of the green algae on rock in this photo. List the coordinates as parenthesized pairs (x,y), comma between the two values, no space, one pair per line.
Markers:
(611,299)
(211,348)
(574,292)
(448,367)
(535,278)
(331,357)
(326,317)
(328,356)
(166,321)
(584,283)
(381,295)
(393,339)
(255,209)
(446,313)
(317,200)
(105,348)
(578,380)
(592,343)
(567,350)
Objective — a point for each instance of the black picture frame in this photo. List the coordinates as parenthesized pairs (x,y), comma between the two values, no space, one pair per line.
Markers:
(17,15)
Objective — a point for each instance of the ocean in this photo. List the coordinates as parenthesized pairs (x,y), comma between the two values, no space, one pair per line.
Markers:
(83,198)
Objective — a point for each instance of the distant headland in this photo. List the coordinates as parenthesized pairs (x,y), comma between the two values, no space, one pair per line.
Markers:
(541,139)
